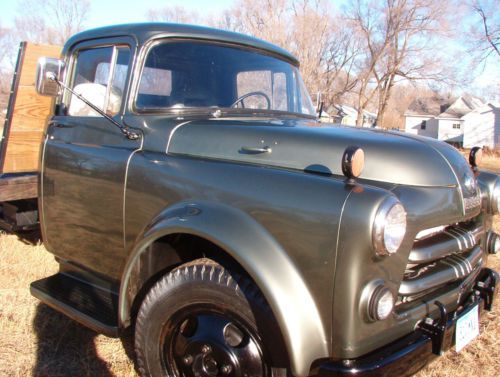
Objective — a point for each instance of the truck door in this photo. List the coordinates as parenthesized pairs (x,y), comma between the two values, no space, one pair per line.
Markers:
(85,158)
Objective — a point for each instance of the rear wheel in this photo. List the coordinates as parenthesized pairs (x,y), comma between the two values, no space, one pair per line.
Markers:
(201,320)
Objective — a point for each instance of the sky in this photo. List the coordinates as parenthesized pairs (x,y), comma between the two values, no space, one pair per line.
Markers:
(108,12)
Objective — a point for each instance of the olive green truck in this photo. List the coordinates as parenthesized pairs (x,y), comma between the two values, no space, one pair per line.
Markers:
(188,192)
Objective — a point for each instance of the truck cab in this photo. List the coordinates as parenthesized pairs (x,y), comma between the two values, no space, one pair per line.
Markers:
(186,189)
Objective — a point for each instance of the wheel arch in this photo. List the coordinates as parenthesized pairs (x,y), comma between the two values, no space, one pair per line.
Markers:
(260,256)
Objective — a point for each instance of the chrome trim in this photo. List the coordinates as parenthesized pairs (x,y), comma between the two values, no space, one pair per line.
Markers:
(443,271)
(172,133)
(429,232)
(495,197)
(448,242)
(125,191)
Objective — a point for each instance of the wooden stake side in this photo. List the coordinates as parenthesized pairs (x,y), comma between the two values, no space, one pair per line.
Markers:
(27,113)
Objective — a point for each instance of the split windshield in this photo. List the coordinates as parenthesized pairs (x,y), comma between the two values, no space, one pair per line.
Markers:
(191,74)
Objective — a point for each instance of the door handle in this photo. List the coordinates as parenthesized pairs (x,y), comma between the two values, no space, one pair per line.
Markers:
(255,150)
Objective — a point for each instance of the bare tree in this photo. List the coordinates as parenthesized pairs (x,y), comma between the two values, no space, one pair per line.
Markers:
(51,21)
(484,35)
(401,42)
(365,15)
(176,14)
(309,29)
(412,54)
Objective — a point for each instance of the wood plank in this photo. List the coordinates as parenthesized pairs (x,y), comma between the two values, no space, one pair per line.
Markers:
(31,110)
(26,131)
(31,55)
(18,187)
(28,117)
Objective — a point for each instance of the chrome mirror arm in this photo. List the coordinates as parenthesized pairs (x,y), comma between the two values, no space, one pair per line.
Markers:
(131,135)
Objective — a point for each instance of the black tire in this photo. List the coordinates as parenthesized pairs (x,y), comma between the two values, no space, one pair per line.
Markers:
(202,320)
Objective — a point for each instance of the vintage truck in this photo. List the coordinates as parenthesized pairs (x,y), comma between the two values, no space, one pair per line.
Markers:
(187,191)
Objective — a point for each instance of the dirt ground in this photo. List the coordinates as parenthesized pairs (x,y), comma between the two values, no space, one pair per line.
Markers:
(36,340)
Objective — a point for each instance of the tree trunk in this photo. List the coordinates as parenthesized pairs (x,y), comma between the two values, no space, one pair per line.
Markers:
(359,119)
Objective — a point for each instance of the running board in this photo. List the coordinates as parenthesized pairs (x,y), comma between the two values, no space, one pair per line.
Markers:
(92,306)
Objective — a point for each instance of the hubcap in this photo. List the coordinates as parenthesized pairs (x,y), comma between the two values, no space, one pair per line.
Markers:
(209,344)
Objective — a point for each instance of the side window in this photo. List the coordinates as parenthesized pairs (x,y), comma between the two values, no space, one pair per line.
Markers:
(99,76)
(272,84)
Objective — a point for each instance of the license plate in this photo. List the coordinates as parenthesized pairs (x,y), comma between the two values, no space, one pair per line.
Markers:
(467,328)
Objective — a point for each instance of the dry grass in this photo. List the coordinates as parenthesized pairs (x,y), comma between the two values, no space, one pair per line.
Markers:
(36,340)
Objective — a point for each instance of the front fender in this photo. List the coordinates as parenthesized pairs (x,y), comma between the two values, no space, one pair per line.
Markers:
(262,258)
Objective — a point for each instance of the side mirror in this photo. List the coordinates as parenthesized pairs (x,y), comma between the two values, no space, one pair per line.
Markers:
(47,70)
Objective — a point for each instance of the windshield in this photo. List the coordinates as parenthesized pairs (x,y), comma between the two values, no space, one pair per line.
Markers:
(189,74)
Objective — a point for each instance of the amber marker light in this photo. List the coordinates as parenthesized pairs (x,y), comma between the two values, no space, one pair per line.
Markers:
(475,157)
(353,161)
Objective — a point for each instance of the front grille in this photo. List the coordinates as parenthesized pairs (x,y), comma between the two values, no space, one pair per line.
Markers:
(447,255)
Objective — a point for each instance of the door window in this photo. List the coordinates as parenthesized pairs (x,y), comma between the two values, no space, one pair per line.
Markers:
(99,76)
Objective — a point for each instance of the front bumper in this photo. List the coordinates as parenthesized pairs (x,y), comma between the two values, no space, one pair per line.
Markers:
(411,353)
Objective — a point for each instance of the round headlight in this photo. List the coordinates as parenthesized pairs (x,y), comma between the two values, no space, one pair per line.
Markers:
(389,227)
(381,303)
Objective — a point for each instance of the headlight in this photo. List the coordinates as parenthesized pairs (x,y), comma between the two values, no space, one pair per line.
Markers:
(381,303)
(377,301)
(389,227)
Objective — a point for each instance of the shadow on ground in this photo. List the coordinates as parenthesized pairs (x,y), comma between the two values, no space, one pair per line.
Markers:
(32,237)
(65,348)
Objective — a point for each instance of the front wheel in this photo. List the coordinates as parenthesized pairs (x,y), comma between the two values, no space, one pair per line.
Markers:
(200,320)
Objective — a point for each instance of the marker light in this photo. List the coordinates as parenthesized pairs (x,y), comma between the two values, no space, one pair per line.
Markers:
(475,157)
(353,161)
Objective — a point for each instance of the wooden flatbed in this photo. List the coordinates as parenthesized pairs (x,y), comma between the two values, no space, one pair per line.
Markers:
(23,131)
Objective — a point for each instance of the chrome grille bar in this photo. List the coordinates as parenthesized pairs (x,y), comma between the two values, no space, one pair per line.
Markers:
(449,241)
(441,272)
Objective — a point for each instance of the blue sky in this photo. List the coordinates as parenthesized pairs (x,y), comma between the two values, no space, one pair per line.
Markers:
(107,12)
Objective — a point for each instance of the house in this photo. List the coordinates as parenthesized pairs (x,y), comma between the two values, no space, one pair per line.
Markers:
(347,115)
(440,118)
(482,127)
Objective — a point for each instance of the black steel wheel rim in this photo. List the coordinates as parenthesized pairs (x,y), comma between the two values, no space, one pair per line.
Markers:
(203,341)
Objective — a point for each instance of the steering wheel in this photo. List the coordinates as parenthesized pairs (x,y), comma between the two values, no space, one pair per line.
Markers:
(251,94)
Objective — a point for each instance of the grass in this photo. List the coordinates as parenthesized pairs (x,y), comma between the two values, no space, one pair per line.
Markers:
(36,340)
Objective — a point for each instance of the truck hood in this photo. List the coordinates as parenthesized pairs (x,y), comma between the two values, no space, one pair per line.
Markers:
(308,146)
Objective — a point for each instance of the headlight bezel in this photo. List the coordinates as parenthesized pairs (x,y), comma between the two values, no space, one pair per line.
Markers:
(379,227)
(372,299)
(495,197)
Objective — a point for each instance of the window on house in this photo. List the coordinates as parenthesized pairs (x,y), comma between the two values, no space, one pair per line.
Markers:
(456,126)
(423,125)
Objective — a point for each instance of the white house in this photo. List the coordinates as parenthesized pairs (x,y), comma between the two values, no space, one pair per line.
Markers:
(440,118)
(482,127)
(348,116)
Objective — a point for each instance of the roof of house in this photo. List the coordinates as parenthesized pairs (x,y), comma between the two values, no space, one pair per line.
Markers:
(487,107)
(349,110)
(432,106)
(462,105)
(444,107)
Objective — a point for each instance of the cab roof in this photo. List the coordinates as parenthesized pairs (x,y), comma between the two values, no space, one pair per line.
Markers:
(142,32)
